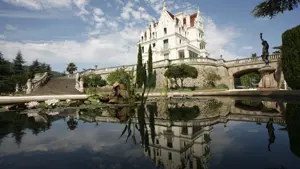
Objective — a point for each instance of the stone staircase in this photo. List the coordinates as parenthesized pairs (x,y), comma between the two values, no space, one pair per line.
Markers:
(57,86)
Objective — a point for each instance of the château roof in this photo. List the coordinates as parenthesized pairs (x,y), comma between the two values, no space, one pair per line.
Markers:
(192,18)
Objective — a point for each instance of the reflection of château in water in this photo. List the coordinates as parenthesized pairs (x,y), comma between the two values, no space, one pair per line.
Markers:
(180,146)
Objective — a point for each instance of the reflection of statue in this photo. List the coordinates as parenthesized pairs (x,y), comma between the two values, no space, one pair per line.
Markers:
(271,133)
(72,124)
(265,50)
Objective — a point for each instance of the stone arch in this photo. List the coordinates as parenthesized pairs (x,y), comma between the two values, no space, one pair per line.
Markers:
(237,75)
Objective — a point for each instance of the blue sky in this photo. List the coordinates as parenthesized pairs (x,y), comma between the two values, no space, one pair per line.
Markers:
(105,32)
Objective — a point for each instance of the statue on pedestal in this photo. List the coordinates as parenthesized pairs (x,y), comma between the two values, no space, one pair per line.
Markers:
(29,86)
(265,51)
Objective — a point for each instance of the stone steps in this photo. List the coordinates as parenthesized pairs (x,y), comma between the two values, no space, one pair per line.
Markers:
(57,86)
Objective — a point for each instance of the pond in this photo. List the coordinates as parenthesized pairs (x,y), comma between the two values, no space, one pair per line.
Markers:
(203,133)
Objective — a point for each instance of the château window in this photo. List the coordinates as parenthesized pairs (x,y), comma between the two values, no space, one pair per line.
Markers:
(165,31)
(193,55)
(143,49)
(179,41)
(170,156)
(166,56)
(145,36)
(142,38)
(153,35)
(166,44)
(153,45)
(181,55)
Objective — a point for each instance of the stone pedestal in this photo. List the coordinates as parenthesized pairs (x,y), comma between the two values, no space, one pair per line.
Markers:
(267,80)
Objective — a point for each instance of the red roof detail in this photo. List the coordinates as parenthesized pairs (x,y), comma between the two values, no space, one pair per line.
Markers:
(184,21)
(192,19)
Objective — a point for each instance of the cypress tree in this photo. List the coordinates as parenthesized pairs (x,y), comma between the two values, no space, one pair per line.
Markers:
(150,68)
(18,64)
(291,57)
(139,68)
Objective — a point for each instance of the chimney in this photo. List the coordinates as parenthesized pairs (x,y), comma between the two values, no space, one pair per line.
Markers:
(188,20)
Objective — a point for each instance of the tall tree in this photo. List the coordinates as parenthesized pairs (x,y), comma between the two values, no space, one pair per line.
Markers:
(6,80)
(271,8)
(150,68)
(71,68)
(139,68)
(35,67)
(18,64)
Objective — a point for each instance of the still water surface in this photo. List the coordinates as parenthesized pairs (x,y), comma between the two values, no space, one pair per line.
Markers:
(194,134)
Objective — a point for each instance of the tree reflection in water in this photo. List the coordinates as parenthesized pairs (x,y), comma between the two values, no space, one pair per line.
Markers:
(15,123)
(293,127)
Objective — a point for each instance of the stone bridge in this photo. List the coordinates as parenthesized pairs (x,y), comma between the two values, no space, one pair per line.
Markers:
(228,70)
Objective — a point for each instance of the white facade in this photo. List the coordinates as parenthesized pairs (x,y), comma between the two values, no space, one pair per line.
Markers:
(176,36)
(180,147)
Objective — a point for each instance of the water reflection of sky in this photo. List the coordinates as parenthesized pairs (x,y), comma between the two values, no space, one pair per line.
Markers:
(88,146)
(239,145)
(245,145)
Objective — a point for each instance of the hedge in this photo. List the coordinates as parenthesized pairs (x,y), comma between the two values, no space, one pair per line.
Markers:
(291,57)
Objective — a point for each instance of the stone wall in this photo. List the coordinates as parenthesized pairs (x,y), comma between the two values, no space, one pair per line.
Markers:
(226,69)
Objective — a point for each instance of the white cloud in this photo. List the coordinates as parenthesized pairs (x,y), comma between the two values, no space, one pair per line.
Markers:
(217,40)
(247,47)
(96,32)
(117,48)
(98,11)
(10,27)
(99,19)
(39,5)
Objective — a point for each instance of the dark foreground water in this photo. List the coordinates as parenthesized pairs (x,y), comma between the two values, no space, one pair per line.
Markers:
(198,134)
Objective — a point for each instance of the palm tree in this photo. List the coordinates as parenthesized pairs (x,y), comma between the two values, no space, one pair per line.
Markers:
(71,68)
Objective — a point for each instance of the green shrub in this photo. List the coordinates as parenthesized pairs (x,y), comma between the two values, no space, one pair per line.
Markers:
(121,76)
(93,80)
(291,57)
(222,86)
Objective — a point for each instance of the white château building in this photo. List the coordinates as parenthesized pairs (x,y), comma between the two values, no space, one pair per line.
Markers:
(176,36)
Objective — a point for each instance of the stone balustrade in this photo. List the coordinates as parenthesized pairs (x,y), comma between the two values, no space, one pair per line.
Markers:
(202,61)
(38,81)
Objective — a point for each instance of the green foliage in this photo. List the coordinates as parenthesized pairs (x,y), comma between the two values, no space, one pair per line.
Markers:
(39,67)
(250,78)
(6,80)
(18,63)
(150,69)
(254,55)
(120,75)
(71,68)
(222,86)
(93,80)
(271,8)
(139,68)
(181,72)
(291,57)
(210,78)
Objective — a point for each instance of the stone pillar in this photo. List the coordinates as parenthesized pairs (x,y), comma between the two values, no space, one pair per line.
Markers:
(186,53)
(267,80)
(29,86)
(285,85)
